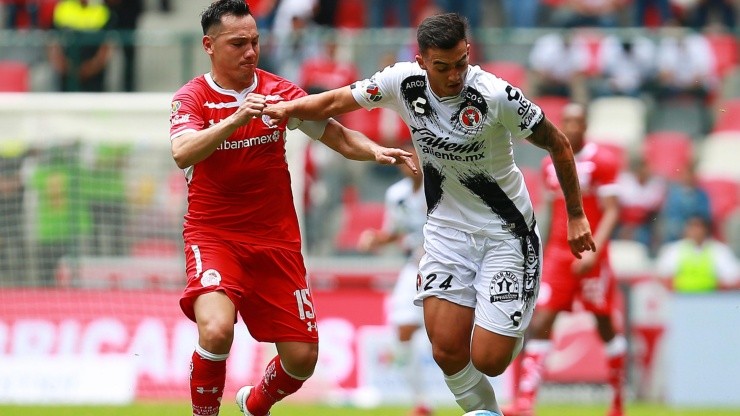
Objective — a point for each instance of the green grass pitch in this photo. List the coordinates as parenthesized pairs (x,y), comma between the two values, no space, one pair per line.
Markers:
(229,409)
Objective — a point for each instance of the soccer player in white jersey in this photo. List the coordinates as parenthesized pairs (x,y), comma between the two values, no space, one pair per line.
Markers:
(479,276)
(403,223)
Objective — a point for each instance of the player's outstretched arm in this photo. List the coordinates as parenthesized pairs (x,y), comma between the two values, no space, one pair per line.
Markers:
(314,107)
(356,146)
(546,136)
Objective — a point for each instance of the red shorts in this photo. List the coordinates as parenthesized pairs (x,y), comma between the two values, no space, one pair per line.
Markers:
(560,287)
(268,286)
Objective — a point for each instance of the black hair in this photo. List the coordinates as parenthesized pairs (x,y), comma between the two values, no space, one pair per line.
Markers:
(442,31)
(218,9)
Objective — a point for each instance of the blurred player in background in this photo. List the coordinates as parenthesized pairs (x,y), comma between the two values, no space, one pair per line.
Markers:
(589,279)
(405,215)
(479,276)
(242,241)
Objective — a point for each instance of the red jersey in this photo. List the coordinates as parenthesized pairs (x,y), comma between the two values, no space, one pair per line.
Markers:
(242,190)
(597,174)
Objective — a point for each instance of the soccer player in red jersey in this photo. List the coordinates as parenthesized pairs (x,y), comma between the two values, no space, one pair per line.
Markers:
(241,234)
(565,279)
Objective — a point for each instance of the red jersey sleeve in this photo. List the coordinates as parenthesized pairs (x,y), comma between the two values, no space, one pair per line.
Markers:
(185,112)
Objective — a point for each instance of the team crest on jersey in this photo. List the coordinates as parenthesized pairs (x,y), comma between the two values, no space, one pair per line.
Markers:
(470,117)
(210,277)
(504,287)
(266,121)
(175,107)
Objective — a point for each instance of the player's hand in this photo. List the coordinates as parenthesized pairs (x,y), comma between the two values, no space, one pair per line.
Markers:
(277,111)
(579,236)
(393,156)
(367,241)
(252,107)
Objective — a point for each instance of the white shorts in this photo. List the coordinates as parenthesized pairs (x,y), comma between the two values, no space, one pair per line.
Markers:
(400,306)
(493,276)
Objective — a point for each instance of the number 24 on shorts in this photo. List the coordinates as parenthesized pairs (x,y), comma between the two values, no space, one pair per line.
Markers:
(431,281)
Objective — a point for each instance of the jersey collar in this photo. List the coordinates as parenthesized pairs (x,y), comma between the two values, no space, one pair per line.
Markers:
(235,94)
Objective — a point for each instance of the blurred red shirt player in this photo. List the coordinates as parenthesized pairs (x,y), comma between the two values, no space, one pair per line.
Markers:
(566,279)
(242,240)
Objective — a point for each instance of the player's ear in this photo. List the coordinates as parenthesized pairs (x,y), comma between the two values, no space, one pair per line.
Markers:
(420,61)
(208,44)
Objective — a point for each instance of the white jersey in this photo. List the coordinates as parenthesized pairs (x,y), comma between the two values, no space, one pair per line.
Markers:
(464,145)
(405,213)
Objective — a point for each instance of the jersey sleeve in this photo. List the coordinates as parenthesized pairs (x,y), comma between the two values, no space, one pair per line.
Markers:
(378,90)
(517,113)
(608,168)
(185,114)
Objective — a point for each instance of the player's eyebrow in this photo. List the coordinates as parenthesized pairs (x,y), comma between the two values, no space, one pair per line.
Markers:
(442,62)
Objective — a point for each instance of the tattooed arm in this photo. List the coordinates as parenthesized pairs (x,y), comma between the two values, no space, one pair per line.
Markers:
(546,136)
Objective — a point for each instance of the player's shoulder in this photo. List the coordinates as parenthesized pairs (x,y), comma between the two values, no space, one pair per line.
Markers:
(273,84)
(194,86)
(604,156)
(489,84)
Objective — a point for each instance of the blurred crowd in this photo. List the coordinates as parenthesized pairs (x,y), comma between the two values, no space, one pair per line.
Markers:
(678,67)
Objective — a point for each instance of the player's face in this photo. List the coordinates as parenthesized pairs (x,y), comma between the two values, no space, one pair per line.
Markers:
(446,68)
(234,50)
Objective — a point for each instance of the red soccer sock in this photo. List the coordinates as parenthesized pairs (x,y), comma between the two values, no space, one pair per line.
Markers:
(275,385)
(532,369)
(207,379)
(616,356)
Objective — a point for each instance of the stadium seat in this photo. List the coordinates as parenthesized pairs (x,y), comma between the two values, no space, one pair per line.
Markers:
(512,72)
(14,76)
(350,14)
(552,106)
(725,47)
(667,153)
(688,116)
(724,198)
(629,259)
(728,116)
(356,216)
(380,124)
(618,120)
(718,157)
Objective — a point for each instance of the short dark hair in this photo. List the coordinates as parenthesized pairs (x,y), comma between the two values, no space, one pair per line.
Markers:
(442,31)
(218,9)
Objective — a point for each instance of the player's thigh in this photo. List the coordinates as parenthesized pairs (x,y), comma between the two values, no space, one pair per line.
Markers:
(506,287)
(277,304)
(448,327)
(598,289)
(211,265)
(448,267)
(559,286)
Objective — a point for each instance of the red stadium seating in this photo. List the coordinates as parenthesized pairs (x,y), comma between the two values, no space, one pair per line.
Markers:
(350,14)
(728,116)
(513,72)
(356,217)
(553,107)
(724,198)
(14,76)
(668,153)
(726,53)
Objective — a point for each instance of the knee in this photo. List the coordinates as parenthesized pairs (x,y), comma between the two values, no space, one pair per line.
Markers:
(301,360)
(449,359)
(490,366)
(216,336)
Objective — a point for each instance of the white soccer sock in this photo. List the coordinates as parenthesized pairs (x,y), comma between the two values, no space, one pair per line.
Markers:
(616,346)
(472,390)
(409,366)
